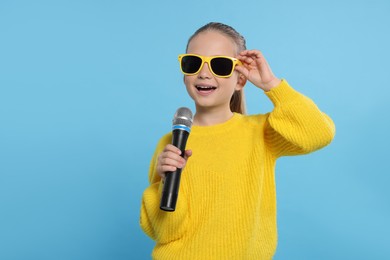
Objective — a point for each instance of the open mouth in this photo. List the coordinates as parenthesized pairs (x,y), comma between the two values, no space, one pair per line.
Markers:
(205,89)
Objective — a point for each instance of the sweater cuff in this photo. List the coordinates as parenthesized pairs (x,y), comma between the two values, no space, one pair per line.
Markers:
(282,93)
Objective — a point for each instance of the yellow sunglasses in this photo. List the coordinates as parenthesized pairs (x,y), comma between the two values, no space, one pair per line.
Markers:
(220,66)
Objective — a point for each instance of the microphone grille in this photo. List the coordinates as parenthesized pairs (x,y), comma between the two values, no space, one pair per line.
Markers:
(183,116)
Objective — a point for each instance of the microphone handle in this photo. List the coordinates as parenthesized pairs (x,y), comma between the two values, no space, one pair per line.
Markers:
(172,179)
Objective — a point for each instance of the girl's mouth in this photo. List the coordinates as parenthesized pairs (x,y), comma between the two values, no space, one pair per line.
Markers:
(205,90)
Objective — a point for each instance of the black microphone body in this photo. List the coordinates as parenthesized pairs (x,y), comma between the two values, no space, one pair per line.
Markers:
(180,133)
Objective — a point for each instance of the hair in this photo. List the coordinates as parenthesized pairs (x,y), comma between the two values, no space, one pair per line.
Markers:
(237,102)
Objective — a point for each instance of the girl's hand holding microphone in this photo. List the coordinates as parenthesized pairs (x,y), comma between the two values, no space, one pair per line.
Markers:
(170,159)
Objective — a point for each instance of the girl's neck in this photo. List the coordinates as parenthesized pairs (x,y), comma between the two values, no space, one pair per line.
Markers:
(210,117)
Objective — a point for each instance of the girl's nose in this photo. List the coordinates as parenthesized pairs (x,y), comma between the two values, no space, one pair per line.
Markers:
(205,72)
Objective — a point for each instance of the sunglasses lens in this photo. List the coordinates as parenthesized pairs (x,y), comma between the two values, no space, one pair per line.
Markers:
(222,66)
(190,64)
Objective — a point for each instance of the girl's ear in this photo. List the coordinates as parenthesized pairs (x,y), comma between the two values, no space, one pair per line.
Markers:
(241,81)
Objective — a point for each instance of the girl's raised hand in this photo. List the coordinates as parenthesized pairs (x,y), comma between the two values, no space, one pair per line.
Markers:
(256,69)
(169,160)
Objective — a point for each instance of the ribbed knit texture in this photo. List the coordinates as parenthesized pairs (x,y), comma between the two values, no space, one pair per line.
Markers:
(227,200)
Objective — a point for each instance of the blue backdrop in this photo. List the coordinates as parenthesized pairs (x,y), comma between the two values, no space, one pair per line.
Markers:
(88,87)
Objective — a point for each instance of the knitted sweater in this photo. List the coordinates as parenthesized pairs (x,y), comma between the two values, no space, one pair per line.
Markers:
(226,207)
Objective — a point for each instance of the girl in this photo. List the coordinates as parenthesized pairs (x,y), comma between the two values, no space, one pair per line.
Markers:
(226,207)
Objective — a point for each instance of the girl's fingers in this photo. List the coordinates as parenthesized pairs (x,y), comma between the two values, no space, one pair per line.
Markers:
(246,59)
(167,165)
(187,154)
(257,69)
(172,148)
(251,56)
(167,168)
(250,53)
(169,160)
(241,69)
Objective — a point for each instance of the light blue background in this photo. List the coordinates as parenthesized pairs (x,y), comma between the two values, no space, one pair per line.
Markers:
(88,87)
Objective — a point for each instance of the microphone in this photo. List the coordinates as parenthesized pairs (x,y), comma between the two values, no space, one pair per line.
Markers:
(181,127)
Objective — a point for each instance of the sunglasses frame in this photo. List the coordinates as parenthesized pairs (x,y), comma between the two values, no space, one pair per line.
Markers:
(207,59)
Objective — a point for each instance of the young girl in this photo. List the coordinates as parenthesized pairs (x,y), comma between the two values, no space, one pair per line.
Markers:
(226,207)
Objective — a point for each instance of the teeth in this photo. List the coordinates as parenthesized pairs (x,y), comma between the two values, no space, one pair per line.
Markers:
(205,87)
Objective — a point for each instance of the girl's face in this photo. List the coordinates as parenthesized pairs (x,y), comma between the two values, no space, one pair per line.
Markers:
(207,90)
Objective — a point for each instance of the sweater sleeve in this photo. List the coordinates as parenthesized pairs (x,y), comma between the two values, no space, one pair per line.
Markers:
(160,225)
(296,125)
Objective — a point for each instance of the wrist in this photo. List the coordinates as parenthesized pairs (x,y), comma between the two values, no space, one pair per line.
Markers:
(272,84)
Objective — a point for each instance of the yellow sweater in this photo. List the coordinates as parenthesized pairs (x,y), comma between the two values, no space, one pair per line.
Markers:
(226,207)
